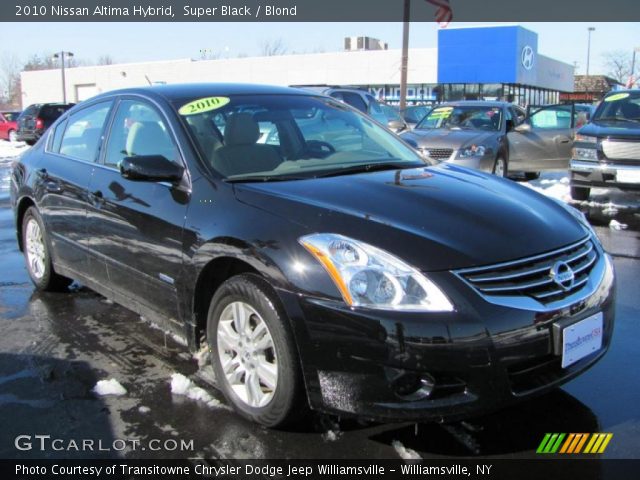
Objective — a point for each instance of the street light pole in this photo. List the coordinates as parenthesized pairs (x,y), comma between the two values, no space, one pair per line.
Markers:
(405,55)
(590,29)
(61,55)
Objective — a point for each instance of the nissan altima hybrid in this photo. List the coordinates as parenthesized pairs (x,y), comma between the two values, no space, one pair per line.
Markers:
(323,263)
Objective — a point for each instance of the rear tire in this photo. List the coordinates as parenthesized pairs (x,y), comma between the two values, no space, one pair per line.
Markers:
(253,353)
(531,175)
(580,193)
(38,255)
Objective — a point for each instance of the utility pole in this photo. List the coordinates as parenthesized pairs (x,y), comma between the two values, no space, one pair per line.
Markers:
(590,29)
(405,54)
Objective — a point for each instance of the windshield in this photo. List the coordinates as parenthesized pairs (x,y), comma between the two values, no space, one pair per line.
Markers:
(464,118)
(624,106)
(282,137)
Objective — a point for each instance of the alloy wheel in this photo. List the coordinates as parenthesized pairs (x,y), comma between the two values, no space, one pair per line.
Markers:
(34,245)
(247,354)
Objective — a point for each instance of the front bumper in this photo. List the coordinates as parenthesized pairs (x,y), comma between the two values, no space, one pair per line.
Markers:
(480,358)
(595,174)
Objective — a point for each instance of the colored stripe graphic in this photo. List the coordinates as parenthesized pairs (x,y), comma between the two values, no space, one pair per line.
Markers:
(444,13)
(573,443)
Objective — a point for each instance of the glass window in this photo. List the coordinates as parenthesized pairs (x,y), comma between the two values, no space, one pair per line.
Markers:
(83,132)
(285,136)
(57,137)
(138,129)
(354,100)
(463,118)
(556,116)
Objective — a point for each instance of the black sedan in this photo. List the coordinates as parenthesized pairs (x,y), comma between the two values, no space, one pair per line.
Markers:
(321,260)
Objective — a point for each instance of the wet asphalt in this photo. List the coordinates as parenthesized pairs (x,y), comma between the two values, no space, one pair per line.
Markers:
(55,347)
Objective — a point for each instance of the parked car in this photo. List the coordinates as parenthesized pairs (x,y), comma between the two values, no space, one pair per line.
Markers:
(395,122)
(606,152)
(497,137)
(8,126)
(37,118)
(360,99)
(414,113)
(341,272)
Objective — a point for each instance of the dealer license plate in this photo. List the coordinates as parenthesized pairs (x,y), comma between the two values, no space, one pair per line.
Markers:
(581,339)
(628,176)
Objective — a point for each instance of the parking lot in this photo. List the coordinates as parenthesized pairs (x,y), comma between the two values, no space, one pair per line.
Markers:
(55,348)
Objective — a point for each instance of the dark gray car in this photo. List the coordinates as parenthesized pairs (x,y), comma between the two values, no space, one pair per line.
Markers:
(497,137)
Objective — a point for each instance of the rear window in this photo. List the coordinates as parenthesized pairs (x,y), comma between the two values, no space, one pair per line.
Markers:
(52,112)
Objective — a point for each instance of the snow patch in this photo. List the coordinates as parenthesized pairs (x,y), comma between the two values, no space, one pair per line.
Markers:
(109,387)
(404,452)
(181,385)
(616,225)
(202,355)
(143,409)
(10,150)
(331,435)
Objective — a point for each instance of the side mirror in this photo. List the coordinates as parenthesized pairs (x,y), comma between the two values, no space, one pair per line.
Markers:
(523,128)
(396,125)
(151,168)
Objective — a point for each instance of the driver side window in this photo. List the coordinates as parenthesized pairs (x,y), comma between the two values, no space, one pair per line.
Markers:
(138,130)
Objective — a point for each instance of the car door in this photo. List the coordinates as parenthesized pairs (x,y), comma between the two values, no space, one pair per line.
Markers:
(4,127)
(543,140)
(64,176)
(137,225)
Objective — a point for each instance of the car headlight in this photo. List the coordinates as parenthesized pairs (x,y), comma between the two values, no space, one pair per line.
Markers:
(472,151)
(367,276)
(589,154)
(585,138)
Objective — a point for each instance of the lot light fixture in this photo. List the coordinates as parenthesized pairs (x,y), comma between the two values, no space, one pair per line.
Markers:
(61,56)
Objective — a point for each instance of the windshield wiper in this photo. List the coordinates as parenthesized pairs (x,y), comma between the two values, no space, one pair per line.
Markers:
(369,167)
(264,178)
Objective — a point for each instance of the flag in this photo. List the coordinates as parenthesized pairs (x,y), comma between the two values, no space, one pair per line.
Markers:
(443,14)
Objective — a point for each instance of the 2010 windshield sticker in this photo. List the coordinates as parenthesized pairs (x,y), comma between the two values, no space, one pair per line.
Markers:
(203,105)
(441,112)
(617,96)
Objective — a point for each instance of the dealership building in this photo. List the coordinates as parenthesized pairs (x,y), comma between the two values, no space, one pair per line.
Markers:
(498,62)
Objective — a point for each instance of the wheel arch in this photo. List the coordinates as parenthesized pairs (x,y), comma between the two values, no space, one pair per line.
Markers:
(21,208)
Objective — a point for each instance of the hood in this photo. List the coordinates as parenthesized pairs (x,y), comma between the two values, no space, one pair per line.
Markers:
(606,128)
(447,138)
(436,218)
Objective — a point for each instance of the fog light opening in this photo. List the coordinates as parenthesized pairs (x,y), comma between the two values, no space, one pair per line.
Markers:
(411,386)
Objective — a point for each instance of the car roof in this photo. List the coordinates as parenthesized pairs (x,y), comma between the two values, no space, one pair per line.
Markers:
(178,91)
(473,103)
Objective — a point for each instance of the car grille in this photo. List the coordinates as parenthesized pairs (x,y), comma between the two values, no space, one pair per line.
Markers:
(618,149)
(437,153)
(531,277)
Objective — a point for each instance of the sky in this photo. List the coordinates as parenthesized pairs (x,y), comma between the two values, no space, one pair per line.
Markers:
(139,42)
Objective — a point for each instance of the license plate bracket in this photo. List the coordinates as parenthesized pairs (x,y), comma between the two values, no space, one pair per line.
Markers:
(574,340)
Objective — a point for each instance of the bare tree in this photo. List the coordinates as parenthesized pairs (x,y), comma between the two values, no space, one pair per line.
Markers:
(105,60)
(618,64)
(10,68)
(273,47)
(40,62)
(209,54)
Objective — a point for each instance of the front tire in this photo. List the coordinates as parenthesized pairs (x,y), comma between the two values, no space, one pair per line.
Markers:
(253,352)
(580,193)
(37,254)
(500,167)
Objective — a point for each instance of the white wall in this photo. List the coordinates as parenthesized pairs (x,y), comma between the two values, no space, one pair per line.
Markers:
(378,67)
